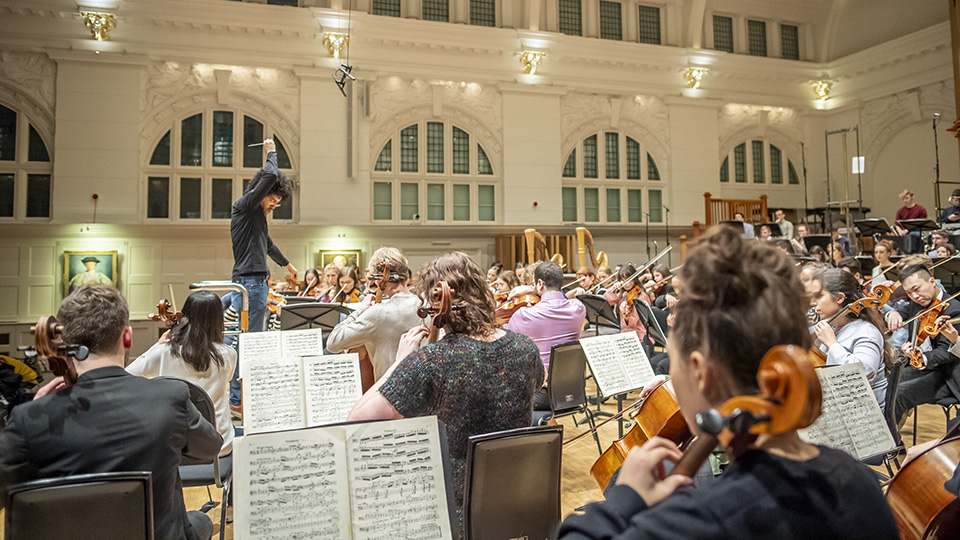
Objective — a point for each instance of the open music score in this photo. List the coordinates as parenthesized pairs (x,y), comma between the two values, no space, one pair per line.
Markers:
(356,481)
(292,393)
(618,362)
(850,419)
(283,344)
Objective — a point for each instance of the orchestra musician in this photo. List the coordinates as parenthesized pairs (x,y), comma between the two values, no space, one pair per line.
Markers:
(349,290)
(786,228)
(881,253)
(798,245)
(939,378)
(506,281)
(494,271)
(311,283)
(747,227)
(586,279)
(193,350)
(603,280)
(766,233)
(378,327)
(477,379)
(331,277)
(110,421)
(554,319)
(850,337)
(937,239)
(852,266)
(621,295)
(909,210)
(951,214)
(946,250)
(781,487)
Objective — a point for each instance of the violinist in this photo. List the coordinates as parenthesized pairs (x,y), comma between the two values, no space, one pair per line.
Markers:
(937,239)
(850,337)
(311,283)
(852,266)
(110,421)
(939,378)
(476,379)
(780,486)
(946,250)
(349,291)
(621,295)
(506,282)
(585,281)
(331,277)
(554,319)
(494,271)
(603,280)
(378,327)
(881,253)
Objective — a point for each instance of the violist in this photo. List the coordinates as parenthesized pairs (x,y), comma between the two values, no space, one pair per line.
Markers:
(740,300)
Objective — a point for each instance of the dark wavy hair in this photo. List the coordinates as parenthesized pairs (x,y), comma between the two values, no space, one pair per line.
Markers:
(836,281)
(194,338)
(740,299)
(473,303)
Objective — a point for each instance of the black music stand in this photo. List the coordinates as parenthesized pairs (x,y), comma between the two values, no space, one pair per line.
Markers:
(866,265)
(948,272)
(802,259)
(901,242)
(919,225)
(650,322)
(738,225)
(811,240)
(599,312)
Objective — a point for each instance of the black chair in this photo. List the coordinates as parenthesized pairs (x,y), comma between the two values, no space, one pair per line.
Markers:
(890,417)
(566,378)
(81,507)
(512,484)
(201,473)
(312,315)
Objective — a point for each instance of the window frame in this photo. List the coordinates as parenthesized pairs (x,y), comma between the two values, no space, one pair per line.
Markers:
(206,171)
(749,182)
(22,168)
(622,184)
(395,177)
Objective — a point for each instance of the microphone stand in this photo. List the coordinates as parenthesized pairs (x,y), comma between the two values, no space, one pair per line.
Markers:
(667,231)
(936,152)
(647,233)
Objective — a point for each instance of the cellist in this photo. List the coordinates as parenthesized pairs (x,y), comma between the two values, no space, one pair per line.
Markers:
(939,378)
(740,300)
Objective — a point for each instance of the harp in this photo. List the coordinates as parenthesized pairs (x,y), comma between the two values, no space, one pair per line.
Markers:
(584,244)
(537,248)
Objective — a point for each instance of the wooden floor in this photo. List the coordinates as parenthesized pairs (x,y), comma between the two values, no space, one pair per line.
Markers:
(577,486)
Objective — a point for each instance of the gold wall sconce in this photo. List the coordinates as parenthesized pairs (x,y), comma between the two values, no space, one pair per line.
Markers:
(100,24)
(693,76)
(531,60)
(335,43)
(822,89)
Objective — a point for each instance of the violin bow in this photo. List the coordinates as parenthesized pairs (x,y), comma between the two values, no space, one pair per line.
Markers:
(928,310)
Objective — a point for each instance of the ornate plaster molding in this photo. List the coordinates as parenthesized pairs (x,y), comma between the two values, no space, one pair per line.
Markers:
(29,81)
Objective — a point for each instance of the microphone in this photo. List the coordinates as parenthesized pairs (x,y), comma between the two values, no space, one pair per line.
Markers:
(936,115)
(665,207)
(656,247)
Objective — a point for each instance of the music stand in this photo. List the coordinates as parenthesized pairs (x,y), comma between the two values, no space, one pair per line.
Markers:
(873,226)
(775,231)
(599,312)
(866,265)
(649,320)
(919,225)
(738,225)
(948,272)
(811,240)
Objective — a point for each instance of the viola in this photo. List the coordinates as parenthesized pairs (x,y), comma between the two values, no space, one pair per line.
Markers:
(920,504)
(48,343)
(440,306)
(165,313)
(790,398)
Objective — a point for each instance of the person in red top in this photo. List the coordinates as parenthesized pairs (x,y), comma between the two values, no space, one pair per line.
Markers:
(909,210)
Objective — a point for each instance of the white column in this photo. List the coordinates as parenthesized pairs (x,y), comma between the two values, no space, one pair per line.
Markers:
(591,18)
(631,21)
(694,153)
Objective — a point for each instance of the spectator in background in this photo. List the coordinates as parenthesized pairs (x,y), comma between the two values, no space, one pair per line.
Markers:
(786,228)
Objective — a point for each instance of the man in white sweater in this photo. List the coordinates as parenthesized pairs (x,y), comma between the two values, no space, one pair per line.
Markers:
(378,327)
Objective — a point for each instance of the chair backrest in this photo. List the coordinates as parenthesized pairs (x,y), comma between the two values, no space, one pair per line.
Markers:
(82,507)
(203,403)
(566,377)
(312,315)
(649,321)
(512,484)
(890,399)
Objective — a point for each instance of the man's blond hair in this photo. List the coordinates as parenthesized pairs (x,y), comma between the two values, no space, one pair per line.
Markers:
(392,256)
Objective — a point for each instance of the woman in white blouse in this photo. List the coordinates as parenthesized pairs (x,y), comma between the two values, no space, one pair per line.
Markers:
(193,350)
(850,337)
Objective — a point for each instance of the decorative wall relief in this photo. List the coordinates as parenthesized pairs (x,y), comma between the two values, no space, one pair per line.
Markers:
(29,80)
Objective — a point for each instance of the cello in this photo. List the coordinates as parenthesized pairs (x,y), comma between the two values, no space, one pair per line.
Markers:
(923,508)
(48,343)
(439,309)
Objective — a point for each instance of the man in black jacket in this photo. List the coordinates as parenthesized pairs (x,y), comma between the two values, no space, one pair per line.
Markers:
(110,421)
(252,244)
(940,377)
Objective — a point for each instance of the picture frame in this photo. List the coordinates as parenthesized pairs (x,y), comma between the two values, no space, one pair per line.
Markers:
(82,267)
(351,257)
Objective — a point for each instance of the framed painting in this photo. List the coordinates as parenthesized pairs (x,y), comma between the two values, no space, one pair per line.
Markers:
(82,267)
(341,258)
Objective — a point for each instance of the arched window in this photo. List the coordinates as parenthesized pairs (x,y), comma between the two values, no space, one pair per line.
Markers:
(610,177)
(204,162)
(758,162)
(26,170)
(434,172)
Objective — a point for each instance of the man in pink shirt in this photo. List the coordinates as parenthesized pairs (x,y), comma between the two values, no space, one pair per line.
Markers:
(555,319)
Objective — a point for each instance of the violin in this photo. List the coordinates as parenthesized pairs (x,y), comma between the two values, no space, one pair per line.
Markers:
(927,327)
(48,343)
(165,313)
(920,504)
(818,357)
(440,306)
(790,398)
(508,308)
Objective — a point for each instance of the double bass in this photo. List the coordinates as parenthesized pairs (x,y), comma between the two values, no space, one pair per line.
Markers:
(923,508)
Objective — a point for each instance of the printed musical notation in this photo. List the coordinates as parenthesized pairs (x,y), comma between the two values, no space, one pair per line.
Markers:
(618,362)
(332,387)
(851,419)
(361,481)
(302,342)
(258,346)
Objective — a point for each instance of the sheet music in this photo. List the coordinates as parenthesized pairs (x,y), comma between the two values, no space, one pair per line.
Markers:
(292,485)
(607,371)
(850,419)
(331,387)
(633,358)
(273,395)
(256,345)
(396,477)
(301,342)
